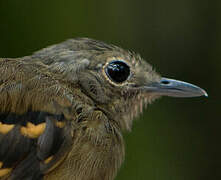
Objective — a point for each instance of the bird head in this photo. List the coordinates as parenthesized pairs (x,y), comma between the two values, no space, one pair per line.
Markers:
(119,82)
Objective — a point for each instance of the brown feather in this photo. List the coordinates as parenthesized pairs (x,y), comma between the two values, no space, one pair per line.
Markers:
(61,106)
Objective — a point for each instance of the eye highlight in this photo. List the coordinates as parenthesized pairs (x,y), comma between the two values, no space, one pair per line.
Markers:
(118,71)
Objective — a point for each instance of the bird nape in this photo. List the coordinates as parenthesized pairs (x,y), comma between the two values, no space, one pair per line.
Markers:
(64,108)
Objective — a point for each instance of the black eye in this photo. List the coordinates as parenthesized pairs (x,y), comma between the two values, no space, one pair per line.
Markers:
(118,71)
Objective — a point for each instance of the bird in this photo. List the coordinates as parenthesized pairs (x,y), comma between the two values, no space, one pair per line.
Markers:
(63,109)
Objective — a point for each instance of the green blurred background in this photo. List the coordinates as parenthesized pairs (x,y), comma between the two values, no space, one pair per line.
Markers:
(175,139)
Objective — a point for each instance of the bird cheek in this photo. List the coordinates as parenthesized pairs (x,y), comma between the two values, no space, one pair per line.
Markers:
(92,88)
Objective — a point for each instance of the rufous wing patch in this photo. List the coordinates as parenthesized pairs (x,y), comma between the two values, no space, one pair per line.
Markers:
(60,124)
(5,128)
(4,171)
(46,161)
(33,131)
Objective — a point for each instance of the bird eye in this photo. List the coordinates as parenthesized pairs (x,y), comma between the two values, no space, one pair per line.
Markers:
(117,71)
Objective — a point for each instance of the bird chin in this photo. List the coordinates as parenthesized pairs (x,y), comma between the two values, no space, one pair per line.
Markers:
(136,106)
(142,101)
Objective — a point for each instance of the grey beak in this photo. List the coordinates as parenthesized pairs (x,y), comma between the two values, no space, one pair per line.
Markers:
(175,88)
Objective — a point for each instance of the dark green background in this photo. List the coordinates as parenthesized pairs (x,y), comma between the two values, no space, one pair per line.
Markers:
(176,139)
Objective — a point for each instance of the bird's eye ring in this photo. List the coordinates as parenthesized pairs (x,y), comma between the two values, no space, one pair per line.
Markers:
(117,71)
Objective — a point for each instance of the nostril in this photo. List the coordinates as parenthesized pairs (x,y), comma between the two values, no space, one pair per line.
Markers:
(165,82)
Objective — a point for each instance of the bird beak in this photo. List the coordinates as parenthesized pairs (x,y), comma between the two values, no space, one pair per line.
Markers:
(174,88)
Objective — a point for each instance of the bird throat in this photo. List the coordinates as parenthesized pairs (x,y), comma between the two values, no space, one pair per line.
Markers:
(133,106)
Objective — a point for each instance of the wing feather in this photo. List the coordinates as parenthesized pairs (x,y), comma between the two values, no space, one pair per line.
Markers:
(35,133)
